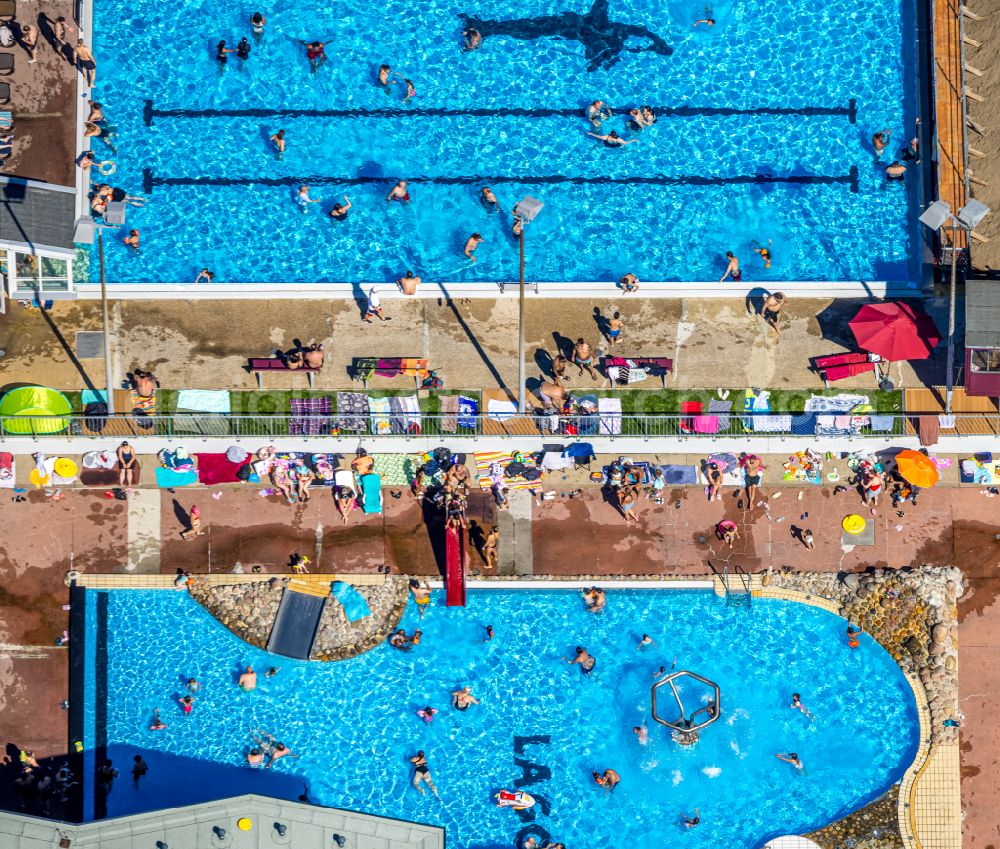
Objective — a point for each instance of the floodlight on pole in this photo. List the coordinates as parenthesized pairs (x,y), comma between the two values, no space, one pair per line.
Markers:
(524,212)
(937,216)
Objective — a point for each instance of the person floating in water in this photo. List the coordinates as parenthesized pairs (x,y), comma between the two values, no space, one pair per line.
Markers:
(585,659)
(472,39)
(642,734)
(609,779)
(257,21)
(399,192)
(422,774)
(612,139)
(383,77)
(411,90)
(603,40)
(707,21)
(797,705)
(315,53)
(765,253)
(852,636)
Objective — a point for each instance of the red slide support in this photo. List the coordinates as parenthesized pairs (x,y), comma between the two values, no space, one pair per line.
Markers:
(454,581)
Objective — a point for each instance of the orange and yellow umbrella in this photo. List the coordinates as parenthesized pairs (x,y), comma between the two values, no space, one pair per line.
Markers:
(916,468)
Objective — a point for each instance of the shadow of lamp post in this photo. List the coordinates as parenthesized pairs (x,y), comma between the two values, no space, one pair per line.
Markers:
(524,212)
(938,217)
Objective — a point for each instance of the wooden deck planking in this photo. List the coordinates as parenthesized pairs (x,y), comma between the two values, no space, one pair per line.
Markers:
(950,124)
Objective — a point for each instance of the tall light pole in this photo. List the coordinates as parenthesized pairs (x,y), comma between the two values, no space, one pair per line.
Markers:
(84,234)
(936,217)
(524,212)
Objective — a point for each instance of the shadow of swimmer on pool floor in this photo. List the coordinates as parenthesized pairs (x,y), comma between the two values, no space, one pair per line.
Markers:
(603,40)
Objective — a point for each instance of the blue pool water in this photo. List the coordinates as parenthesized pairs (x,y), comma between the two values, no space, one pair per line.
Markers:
(793,56)
(355,722)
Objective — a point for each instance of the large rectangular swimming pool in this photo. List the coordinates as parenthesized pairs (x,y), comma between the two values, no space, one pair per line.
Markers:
(763,139)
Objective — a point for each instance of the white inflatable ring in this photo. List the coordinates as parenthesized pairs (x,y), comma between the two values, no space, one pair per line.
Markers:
(107,168)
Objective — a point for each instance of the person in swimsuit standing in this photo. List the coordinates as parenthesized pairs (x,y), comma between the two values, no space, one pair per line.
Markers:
(29,40)
(585,659)
(243,49)
(315,53)
(398,193)
(257,21)
(471,244)
(772,309)
(126,464)
(615,328)
(881,140)
(583,358)
(732,269)
(278,140)
(83,58)
(222,52)
(597,112)
(489,200)
(132,240)
(421,595)
(463,699)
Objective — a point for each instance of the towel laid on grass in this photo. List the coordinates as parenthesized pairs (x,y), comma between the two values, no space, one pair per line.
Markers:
(405,414)
(610,411)
(380,409)
(468,412)
(352,411)
(204,400)
(449,413)
(311,416)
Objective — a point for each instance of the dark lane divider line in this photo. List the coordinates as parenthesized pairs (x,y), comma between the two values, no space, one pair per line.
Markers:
(149,180)
(149,113)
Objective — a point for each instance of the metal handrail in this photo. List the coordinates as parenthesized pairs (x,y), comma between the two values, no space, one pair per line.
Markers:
(394,427)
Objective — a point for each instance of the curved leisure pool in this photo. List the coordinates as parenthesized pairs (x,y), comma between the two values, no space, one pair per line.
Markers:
(787,90)
(354,722)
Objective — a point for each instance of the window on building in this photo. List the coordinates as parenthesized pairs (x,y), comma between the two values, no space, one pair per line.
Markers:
(986,359)
(34,273)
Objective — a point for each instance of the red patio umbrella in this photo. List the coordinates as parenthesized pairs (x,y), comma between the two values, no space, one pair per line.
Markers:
(895,331)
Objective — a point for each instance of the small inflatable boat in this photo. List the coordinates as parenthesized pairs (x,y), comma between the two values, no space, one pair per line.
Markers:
(518,800)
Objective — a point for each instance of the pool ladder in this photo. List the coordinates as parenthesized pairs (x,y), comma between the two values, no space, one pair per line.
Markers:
(737,586)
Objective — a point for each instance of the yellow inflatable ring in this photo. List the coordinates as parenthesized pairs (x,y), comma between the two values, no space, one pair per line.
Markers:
(854,524)
(107,168)
(65,468)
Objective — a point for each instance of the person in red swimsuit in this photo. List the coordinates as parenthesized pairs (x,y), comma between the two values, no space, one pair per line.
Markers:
(398,192)
(315,53)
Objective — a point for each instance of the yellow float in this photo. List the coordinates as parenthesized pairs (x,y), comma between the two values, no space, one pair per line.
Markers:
(854,524)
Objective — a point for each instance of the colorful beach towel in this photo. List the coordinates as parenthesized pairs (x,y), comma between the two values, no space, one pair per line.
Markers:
(468,412)
(396,469)
(380,410)
(486,459)
(352,411)
(311,416)
(144,403)
(405,414)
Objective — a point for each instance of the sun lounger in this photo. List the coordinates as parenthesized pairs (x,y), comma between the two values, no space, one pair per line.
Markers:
(8,10)
(840,366)
(6,64)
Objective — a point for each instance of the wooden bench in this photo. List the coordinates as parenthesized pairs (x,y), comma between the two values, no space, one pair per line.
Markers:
(661,366)
(260,365)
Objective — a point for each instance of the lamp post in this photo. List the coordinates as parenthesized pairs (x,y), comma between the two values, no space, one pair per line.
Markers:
(84,232)
(524,212)
(937,216)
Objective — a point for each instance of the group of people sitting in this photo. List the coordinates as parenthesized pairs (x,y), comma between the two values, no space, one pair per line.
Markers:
(444,483)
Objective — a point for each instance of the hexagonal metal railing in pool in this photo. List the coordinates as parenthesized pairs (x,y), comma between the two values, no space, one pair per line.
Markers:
(686,723)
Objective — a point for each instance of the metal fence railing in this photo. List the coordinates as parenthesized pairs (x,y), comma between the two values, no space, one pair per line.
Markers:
(410,425)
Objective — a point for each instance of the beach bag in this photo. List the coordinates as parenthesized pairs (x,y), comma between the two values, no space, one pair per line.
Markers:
(244,472)
(95,416)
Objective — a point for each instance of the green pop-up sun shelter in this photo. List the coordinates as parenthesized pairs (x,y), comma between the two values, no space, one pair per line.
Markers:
(27,410)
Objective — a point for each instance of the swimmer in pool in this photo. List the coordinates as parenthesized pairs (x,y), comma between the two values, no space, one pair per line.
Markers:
(597,112)
(463,699)
(248,681)
(585,659)
(642,734)
(411,90)
(612,139)
(790,758)
(645,642)
(421,595)
(472,39)
(187,704)
(278,140)
(707,21)
(691,822)
(255,757)
(398,192)
(595,599)
(609,779)
(489,200)
(257,21)
(797,705)
(339,211)
(383,77)
(315,53)
(157,724)
(881,140)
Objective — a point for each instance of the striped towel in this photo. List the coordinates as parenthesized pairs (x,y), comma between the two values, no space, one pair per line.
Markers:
(610,410)
(380,408)
(146,404)
(311,416)
(485,459)
(410,408)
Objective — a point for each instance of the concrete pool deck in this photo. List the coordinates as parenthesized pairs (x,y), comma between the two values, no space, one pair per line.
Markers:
(205,344)
(89,533)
